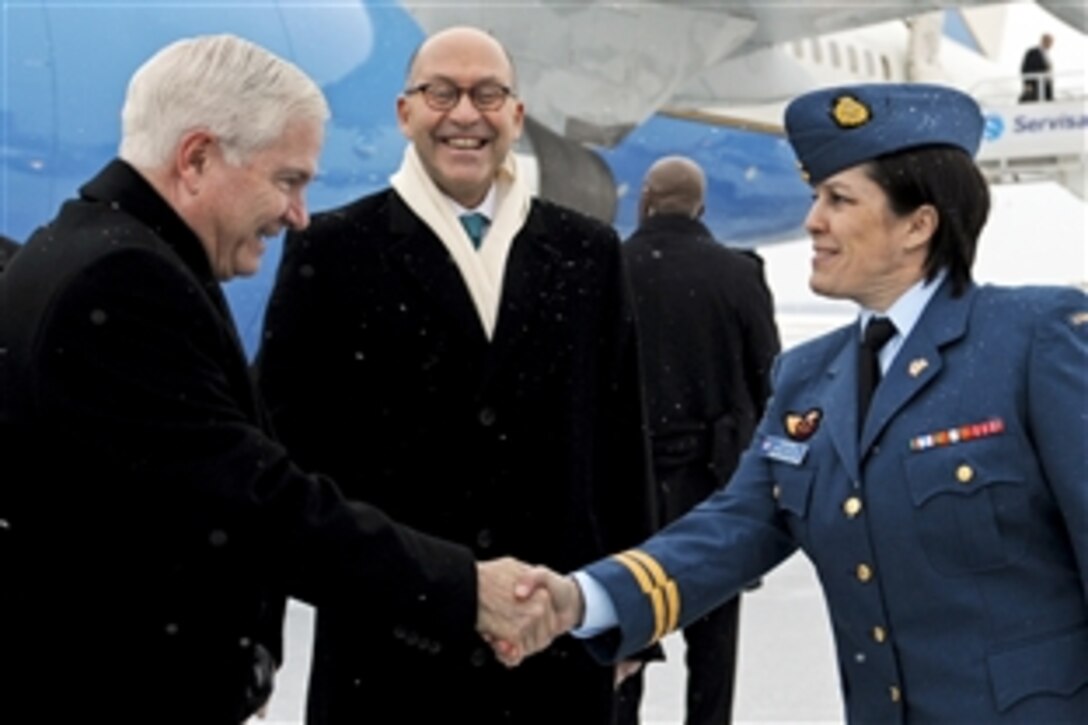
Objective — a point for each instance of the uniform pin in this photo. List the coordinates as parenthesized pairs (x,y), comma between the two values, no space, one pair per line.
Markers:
(917,366)
(801,426)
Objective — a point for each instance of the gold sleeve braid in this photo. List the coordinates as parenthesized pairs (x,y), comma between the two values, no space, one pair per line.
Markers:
(662,591)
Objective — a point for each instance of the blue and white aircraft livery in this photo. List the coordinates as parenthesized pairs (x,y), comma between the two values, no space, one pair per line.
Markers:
(610,88)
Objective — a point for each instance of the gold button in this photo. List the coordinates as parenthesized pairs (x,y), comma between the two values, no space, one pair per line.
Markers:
(894,693)
(852,506)
(776,491)
(879,634)
(965,473)
(865,573)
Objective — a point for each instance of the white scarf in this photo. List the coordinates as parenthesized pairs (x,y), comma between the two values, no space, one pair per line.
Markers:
(481,270)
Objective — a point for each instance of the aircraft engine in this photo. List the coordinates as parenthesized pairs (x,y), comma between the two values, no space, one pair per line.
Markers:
(571,174)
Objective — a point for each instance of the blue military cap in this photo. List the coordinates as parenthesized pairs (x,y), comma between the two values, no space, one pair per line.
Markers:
(832,129)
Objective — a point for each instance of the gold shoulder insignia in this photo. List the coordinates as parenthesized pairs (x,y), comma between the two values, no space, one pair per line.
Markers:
(849,112)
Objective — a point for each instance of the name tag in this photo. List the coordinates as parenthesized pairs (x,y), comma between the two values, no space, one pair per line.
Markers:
(783,449)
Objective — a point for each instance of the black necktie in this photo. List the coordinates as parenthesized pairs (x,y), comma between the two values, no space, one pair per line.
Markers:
(475,225)
(877,332)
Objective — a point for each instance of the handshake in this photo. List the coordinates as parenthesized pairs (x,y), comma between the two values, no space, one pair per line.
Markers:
(523,608)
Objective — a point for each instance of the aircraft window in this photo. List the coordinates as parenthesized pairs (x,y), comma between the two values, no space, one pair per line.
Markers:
(833,49)
(870,66)
(798,48)
(817,54)
(886,66)
(852,58)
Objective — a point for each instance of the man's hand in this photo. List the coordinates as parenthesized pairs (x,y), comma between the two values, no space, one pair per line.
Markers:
(562,596)
(515,626)
(565,594)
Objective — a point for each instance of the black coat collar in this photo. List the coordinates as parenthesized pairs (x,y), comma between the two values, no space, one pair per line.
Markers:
(119,183)
(675,224)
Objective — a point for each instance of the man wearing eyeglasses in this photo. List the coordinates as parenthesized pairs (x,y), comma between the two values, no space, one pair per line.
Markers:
(491,360)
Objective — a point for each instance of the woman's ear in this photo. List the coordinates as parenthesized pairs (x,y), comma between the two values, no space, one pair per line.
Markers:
(924,222)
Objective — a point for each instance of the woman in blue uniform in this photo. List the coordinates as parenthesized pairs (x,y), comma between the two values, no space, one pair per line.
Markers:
(948,518)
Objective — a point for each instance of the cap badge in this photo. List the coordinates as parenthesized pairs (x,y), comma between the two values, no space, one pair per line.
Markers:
(849,112)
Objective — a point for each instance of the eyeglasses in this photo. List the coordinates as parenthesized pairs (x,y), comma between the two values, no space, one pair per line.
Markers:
(444,96)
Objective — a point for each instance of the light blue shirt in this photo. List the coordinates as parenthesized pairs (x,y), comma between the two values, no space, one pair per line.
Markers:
(904,314)
(600,611)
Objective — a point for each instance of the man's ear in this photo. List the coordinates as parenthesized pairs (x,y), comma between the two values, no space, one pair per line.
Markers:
(403,113)
(192,158)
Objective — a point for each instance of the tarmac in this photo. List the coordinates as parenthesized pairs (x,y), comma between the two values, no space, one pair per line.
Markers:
(786,671)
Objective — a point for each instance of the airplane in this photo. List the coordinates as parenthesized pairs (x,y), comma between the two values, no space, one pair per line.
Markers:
(610,87)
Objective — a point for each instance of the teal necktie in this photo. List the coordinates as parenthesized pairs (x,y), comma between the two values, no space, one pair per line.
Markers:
(475,225)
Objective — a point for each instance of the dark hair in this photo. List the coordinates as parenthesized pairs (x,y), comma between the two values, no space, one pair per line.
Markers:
(947,179)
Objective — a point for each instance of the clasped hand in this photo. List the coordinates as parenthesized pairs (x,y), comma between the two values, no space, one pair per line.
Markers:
(523,608)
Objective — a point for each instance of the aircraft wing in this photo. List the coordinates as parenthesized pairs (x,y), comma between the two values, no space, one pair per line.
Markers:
(592,70)
(1074,12)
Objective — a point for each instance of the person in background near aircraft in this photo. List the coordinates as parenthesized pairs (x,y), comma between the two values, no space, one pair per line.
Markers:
(492,362)
(948,520)
(150,525)
(706,330)
(8,248)
(1036,70)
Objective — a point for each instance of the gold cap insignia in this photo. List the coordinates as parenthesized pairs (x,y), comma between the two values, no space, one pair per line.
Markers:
(849,112)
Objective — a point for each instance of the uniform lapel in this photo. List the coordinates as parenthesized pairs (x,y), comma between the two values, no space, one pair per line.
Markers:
(919,361)
(839,402)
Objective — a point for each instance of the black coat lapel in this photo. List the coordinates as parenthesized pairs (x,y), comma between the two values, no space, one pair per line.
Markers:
(416,249)
(527,281)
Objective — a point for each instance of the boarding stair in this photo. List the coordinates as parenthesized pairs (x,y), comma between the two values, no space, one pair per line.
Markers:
(1045,140)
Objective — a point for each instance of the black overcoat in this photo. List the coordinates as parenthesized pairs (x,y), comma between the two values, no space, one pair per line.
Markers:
(1035,68)
(151,525)
(378,371)
(708,339)
(8,248)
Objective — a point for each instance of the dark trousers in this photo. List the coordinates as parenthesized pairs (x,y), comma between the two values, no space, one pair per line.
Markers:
(711,660)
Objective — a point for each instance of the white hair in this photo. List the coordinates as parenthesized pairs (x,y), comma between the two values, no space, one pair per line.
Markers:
(234,89)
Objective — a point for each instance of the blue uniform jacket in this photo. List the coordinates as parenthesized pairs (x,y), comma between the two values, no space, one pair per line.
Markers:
(951,542)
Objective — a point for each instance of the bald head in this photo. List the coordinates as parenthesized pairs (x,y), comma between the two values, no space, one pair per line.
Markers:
(461,146)
(673,185)
(1046,41)
(457,40)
